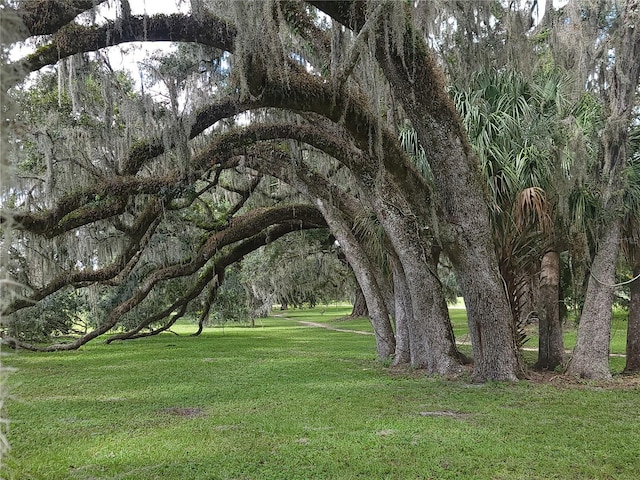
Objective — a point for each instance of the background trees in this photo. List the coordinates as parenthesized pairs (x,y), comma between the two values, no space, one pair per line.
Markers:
(280,116)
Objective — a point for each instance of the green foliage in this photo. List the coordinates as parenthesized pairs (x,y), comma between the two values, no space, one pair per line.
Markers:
(513,123)
(232,302)
(411,145)
(298,269)
(59,314)
(631,224)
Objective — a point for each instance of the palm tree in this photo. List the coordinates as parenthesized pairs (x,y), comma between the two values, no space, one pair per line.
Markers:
(534,145)
(510,120)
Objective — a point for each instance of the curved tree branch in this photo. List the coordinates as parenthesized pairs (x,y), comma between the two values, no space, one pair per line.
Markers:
(97,202)
(239,229)
(216,274)
(74,38)
(139,234)
(48,16)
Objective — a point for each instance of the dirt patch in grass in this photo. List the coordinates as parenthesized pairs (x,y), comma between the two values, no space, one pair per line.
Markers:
(445,413)
(334,329)
(188,412)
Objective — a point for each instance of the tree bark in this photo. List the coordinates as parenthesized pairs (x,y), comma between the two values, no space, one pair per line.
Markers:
(74,38)
(433,345)
(211,297)
(551,346)
(359,305)
(364,271)
(633,326)
(403,313)
(47,16)
(591,354)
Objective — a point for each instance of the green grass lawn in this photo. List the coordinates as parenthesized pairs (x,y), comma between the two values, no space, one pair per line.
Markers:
(331,316)
(284,401)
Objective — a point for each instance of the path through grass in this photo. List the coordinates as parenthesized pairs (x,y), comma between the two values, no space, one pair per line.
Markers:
(284,401)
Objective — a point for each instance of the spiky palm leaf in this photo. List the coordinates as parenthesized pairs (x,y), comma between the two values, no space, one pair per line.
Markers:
(512,123)
(411,145)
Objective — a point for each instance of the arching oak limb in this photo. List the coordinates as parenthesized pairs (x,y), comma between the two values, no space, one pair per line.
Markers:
(212,294)
(146,150)
(74,38)
(139,234)
(339,210)
(464,227)
(47,16)
(433,344)
(214,276)
(102,200)
(238,229)
(364,271)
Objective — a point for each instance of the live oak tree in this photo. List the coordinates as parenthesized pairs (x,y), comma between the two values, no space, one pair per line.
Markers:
(591,355)
(562,40)
(326,99)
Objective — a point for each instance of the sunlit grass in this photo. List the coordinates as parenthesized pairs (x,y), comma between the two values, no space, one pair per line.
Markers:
(285,401)
(458,317)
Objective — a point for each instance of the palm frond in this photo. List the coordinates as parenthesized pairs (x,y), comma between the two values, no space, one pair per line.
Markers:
(531,209)
(411,145)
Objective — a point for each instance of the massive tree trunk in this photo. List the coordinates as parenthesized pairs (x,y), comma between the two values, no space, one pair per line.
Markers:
(551,346)
(462,201)
(633,326)
(591,355)
(364,271)
(431,336)
(465,230)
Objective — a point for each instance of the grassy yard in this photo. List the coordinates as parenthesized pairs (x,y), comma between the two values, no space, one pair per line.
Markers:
(284,401)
